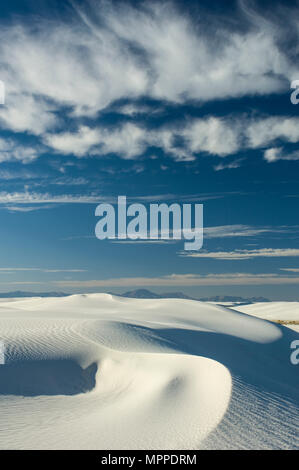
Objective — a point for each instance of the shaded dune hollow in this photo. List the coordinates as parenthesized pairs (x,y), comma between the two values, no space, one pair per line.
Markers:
(46,377)
(97,371)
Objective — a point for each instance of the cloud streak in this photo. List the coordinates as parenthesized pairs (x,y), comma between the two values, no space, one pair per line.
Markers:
(277,153)
(43,270)
(245,254)
(45,198)
(226,279)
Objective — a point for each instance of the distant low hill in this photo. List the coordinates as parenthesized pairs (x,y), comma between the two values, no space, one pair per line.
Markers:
(19,293)
(147,294)
(230,298)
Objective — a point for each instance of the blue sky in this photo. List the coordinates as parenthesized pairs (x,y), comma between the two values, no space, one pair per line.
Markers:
(161,102)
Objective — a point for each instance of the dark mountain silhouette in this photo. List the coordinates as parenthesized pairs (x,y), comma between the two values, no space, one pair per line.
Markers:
(19,293)
(147,294)
(231,298)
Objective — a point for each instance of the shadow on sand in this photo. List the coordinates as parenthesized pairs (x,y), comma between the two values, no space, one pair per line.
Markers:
(46,377)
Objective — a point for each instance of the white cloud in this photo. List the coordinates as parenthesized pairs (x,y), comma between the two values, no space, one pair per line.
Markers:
(69,181)
(189,62)
(228,166)
(225,279)
(210,135)
(182,198)
(213,135)
(291,270)
(79,143)
(38,198)
(27,208)
(135,109)
(10,150)
(240,230)
(90,61)
(237,230)
(220,231)
(21,173)
(244,254)
(231,231)
(127,141)
(28,201)
(58,63)
(23,113)
(263,132)
(119,51)
(274,154)
(44,270)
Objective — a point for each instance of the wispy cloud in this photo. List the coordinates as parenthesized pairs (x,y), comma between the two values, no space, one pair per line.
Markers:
(20,174)
(80,143)
(29,201)
(218,231)
(277,153)
(237,230)
(44,270)
(24,201)
(240,230)
(26,208)
(182,198)
(291,270)
(225,279)
(263,131)
(244,254)
(229,166)
(46,198)
(11,150)
(154,51)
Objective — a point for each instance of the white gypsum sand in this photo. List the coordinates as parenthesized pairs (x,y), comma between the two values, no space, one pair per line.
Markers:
(285,312)
(102,372)
(273,311)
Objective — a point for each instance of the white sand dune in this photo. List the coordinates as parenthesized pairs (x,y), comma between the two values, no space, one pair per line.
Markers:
(285,311)
(102,372)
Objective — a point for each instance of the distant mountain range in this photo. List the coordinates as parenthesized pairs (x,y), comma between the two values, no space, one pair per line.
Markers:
(144,294)
(147,294)
(19,293)
(231,298)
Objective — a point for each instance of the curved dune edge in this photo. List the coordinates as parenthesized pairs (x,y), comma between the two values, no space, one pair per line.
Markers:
(110,373)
